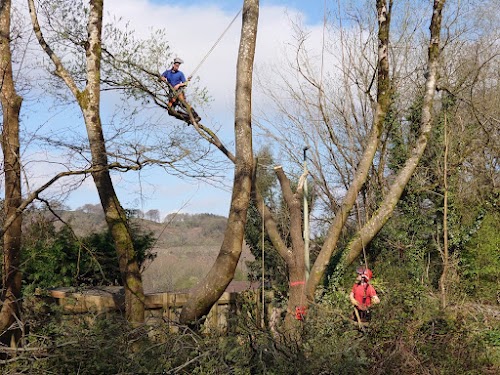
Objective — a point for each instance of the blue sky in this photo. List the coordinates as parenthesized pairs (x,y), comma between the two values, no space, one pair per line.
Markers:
(313,9)
(192,28)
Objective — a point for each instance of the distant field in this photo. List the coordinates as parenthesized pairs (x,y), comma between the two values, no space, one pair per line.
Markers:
(186,247)
(181,267)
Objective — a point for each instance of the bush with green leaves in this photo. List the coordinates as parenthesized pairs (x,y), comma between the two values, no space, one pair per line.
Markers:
(426,341)
(104,344)
(480,260)
(56,258)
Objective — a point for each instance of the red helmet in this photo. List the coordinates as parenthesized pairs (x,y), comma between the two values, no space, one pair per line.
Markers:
(365,272)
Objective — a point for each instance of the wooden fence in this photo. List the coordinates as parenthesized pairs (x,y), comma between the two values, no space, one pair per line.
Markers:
(160,307)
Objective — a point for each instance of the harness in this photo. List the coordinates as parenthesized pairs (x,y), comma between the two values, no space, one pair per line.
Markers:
(173,94)
(363,315)
(364,294)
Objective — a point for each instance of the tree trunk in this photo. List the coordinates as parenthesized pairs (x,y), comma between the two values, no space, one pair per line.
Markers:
(295,260)
(11,246)
(445,254)
(294,257)
(114,213)
(382,107)
(209,290)
(116,219)
(89,101)
(373,226)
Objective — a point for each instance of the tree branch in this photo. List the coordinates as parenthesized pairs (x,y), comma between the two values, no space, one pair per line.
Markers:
(60,69)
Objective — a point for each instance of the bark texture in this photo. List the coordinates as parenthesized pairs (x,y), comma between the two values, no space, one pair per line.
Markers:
(209,290)
(375,224)
(381,108)
(11,239)
(293,256)
(89,101)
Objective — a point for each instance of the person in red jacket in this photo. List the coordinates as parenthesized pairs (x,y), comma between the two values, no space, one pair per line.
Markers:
(363,295)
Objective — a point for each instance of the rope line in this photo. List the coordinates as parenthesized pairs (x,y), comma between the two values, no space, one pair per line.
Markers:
(361,235)
(323,49)
(215,44)
(263,321)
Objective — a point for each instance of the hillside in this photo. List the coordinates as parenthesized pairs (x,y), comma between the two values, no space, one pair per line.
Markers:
(186,246)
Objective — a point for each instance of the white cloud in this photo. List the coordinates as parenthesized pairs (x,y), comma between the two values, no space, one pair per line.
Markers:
(192,31)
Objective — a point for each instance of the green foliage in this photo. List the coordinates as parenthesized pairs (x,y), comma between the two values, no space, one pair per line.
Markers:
(480,260)
(275,268)
(436,345)
(402,134)
(409,332)
(49,258)
(416,229)
(97,345)
(492,337)
(408,335)
(417,221)
(55,258)
(333,344)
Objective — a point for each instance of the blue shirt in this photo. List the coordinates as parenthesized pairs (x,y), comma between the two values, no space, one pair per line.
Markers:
(174,78)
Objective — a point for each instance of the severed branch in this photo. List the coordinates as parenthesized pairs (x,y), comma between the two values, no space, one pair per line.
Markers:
(269,221)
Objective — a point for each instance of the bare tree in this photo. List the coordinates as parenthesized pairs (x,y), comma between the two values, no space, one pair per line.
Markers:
(89,102)
(153,215)
(363,166)
(354,184)
(376,222)
(357,180)
(11,239)
(300,288)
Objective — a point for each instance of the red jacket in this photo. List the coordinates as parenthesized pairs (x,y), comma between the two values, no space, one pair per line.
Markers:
(363,293)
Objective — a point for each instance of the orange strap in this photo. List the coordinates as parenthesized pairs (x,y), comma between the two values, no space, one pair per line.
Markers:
(296,283)
(300,312)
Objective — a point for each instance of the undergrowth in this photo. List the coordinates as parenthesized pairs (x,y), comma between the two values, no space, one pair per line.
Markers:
(403,338)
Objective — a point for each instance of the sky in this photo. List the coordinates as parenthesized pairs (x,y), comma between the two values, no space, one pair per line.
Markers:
(192,29)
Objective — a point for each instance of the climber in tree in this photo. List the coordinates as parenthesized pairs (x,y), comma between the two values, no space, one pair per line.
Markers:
(176,82)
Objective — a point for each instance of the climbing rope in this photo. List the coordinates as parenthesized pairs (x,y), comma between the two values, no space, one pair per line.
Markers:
(263,321)
(215,44)
(173,94)
(360,235)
